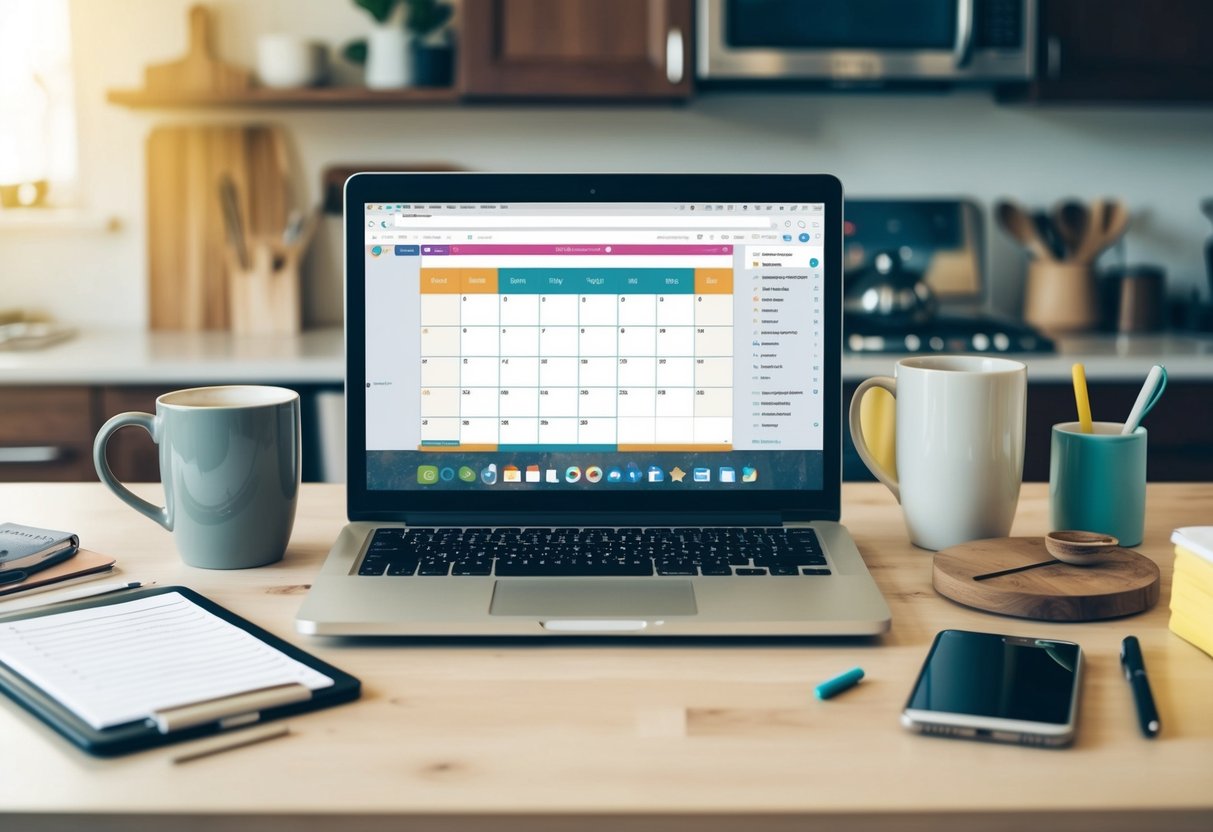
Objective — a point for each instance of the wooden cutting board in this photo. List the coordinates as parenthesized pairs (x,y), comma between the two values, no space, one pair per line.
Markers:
(1124,584)
(199,70)
(187,270)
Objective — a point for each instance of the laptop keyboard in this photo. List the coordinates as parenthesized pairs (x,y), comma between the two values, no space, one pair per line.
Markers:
(591,551)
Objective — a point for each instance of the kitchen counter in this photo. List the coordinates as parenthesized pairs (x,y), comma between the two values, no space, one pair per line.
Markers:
(315,357)
(125,356)
(1105,357)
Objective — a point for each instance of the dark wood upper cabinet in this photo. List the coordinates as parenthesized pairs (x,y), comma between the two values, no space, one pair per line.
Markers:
(1124,50)
(626,49)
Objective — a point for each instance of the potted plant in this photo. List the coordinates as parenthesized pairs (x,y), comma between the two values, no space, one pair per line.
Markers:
(415,50)
(433,54)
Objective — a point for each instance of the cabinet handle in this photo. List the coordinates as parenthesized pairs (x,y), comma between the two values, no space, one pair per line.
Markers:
(33,454)
(964,33)
(1053,57)
(674,56)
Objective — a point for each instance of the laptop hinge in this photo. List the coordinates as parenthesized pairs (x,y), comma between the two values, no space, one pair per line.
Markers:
(631,518)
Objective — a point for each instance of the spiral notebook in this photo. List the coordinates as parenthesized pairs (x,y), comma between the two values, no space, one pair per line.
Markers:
(157,666)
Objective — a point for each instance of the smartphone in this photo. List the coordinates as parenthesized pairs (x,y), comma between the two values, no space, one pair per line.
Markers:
(997,688)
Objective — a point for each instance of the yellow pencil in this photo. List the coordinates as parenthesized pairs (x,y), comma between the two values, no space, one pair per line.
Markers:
(1080,396)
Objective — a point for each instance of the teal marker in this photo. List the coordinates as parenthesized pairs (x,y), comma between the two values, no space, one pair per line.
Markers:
(839,683)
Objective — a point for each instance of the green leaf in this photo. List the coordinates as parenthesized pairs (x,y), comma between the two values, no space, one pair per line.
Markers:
(381,10)
(427,16)
(355,51)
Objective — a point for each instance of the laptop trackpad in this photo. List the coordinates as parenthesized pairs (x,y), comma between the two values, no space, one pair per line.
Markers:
(570,597)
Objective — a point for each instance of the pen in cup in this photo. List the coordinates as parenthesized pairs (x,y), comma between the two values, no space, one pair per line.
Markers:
(1079,375)
(1151,392)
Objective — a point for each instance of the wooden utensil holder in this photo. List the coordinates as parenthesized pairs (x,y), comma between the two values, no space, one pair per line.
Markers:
(1060,297)
(265,297)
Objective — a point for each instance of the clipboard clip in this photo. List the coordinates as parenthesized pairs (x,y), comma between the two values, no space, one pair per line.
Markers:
(229,711)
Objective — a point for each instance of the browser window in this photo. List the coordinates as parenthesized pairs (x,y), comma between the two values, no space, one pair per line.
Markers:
(594,345)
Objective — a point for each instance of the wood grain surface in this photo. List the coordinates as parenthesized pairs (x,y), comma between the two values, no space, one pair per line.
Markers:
(199,70)
(187,264)
(610,736)
(1123,583)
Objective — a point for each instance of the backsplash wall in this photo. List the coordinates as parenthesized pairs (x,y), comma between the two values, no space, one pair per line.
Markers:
(1159,160)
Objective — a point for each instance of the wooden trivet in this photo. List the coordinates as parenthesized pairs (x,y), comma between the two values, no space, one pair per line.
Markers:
(1126,583)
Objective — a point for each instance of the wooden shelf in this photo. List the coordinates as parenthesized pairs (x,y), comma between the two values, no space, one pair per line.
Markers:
(306,97)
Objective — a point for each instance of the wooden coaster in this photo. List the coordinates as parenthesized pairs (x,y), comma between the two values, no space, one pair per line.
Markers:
(1126,583)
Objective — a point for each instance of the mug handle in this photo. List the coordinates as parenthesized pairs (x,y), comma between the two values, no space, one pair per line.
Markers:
(148,422)
(861,445)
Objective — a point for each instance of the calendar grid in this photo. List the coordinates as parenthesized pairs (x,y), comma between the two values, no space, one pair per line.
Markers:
(650,350)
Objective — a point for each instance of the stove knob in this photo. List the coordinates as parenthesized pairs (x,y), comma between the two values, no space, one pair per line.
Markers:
(913,343)
(936,343)
(1001,342)
(981,341)
(855,342)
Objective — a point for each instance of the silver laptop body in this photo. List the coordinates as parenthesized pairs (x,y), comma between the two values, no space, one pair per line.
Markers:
(552,377)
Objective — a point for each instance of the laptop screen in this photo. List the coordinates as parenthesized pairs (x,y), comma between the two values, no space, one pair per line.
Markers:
(594,346)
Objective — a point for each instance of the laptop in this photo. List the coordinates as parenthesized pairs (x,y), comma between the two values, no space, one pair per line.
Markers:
(593,405)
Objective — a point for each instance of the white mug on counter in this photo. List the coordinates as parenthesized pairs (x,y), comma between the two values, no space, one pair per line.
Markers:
(959,445)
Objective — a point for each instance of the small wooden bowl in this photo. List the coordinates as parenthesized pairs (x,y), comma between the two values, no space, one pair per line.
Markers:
(1079,548)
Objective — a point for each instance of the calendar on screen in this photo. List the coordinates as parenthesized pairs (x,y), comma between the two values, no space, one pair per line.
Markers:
(595,345)
(610,359)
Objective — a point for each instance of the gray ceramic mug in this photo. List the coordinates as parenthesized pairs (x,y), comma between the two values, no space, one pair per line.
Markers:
(230,465)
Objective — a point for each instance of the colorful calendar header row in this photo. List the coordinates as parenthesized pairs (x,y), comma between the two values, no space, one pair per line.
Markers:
(623,281)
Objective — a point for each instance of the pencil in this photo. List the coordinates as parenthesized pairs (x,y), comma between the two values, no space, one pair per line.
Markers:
(249,736)
(1080,396)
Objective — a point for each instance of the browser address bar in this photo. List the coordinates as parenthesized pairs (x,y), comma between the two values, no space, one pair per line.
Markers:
(571,221)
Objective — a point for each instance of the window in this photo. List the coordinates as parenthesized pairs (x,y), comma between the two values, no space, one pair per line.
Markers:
(37,119)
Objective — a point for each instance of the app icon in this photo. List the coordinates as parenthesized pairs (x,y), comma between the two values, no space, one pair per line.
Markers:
(552,475)
(632,473)
(804,238)
(376,251)
(427,474)
(813,261)
(593,473)
(656,474)
(488,474)
(466,474)
(787,238)
(615,475)
(728,475)
(572,473)
(532,473)
(677,474)
(510,473)
(446,474)
(702,475)
(749,474)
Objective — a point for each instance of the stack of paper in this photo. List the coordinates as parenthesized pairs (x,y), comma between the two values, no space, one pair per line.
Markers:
(1192,586)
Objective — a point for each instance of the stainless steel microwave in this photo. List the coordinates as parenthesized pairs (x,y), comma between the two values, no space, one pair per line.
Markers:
(866,41)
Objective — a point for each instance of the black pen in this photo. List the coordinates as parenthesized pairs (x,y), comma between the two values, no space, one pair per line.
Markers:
(1135,671)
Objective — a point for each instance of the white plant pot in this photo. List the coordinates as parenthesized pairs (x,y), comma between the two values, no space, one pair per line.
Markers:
(388,59)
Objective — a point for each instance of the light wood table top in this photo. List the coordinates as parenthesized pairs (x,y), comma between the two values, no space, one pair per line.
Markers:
(635,736)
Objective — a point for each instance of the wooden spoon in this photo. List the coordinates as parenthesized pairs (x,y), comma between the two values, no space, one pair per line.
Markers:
(1018,223)
(1071,218)
(1079,548)
(1091,242)
(1073,548)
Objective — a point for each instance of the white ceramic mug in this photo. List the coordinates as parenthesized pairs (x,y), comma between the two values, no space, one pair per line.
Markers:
(289,61)
(959,445)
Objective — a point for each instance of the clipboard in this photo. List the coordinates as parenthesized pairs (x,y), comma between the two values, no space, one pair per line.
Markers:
(198,719)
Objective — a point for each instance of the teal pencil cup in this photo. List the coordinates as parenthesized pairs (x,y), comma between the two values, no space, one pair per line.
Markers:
(1097,481)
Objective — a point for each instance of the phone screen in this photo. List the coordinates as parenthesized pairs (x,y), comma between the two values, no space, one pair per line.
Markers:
(990,675)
